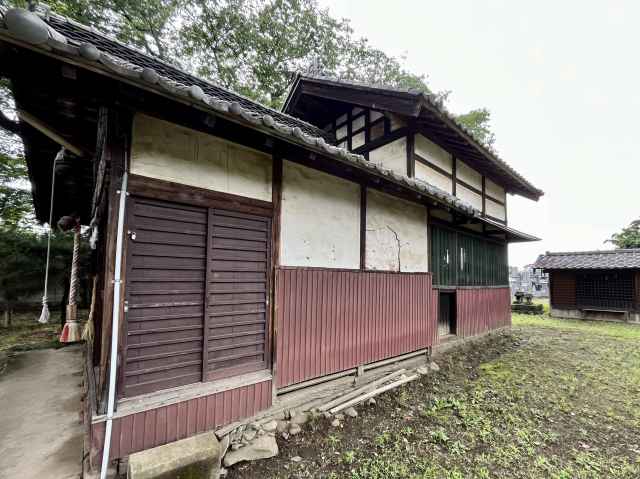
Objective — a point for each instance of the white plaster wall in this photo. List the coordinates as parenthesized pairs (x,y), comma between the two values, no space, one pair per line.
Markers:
(425,173)
(495,209)
(170,152)
(432,152)
(392,156)
(386,217)
(495,190)
(320,219)
(471,197)
(467,174)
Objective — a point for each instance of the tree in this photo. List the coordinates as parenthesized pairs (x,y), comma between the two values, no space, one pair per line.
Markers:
(146,24)
(479,123)
(629,237)
(254,47)
(22,267)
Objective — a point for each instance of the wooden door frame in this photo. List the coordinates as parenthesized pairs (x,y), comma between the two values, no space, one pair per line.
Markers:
(155,189)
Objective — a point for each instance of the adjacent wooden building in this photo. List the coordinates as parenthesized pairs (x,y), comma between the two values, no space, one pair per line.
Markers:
(260,249)
(594,284)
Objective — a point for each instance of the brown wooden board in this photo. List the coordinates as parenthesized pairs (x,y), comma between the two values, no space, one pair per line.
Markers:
(165,293)
(238,257)
(562,289)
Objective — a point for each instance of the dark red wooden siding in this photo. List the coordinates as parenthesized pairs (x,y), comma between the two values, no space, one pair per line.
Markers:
(563,289)
(166,424)
(479,310)
(165,292)
(197,289)
(637,290)
(237,290)
(332,320)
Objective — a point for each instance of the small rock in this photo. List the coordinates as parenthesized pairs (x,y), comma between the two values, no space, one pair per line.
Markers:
(434,366)
(285,435)
(262,447)
(340,416)
(249,435)
(423,370)
(296,459)
(335,422)
(351,412)
(261,432)
(282,426)
(295,429)
(287,414)
(327,415)
(299,418)
(371,402)
(270,426)
(235,446)
(223,472)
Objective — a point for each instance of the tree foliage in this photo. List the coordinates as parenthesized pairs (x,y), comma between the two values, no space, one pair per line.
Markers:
(628,237)
(250,46)
(479,123)
(253,47)
(23,254)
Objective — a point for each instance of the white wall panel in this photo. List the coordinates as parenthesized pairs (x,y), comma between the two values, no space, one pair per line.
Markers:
(467,174)
(433,177)
(392,156)
(495,190)
(320,219)
(471,197)
(396,234)
(495,209)
(433,153)
(170,152)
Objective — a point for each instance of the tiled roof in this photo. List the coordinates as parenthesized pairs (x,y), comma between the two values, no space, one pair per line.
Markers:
(606,259)
(433,104)
(78,33)
(83,45)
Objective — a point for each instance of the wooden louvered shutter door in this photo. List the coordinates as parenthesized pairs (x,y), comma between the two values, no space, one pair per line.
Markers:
(165,293)
(238,260)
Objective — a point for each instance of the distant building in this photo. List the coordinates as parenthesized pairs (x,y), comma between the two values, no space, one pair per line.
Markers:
(594,284)
(529,280)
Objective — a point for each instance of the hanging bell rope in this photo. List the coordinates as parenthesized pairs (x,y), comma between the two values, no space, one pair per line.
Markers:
(71,331)
(44,315)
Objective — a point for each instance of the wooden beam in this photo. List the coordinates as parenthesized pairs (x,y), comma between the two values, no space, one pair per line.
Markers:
(411,165)
(119,125)
(484,195)
(51,133)
(363,226)
(276,200)
(454,178)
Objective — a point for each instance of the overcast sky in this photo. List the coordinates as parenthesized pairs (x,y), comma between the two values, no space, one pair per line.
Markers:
(562,81)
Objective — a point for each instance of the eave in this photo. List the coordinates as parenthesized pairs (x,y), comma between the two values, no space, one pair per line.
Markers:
(430,118)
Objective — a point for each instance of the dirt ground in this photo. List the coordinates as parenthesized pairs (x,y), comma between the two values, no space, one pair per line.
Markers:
(40,433)
(550,399)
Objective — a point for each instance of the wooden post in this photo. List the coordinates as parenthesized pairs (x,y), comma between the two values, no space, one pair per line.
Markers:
(116,152)
(363,227)
(276,198)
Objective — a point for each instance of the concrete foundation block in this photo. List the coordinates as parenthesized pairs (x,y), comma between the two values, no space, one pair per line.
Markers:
(196,457)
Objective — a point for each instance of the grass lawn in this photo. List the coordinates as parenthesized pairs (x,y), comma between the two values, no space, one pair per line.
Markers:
(550,399)
(25,333)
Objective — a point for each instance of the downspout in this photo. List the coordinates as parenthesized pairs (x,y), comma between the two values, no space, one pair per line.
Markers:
(111,391)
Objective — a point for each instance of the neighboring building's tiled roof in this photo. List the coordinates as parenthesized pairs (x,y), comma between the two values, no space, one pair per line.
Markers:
(606,259)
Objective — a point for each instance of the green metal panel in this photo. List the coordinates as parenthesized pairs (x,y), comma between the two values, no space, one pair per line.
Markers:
(459,259)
